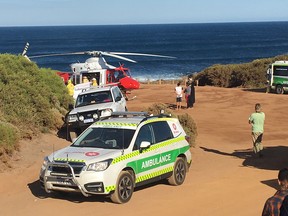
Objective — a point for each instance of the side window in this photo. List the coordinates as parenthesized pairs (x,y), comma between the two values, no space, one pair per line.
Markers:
(145,134)
(162,131)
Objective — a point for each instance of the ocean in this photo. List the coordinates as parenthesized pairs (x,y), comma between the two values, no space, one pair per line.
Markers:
(195,46)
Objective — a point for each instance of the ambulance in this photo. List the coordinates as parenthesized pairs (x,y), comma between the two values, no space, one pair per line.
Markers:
(118,153)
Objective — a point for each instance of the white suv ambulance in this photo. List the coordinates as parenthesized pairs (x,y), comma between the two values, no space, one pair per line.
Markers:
(116,154)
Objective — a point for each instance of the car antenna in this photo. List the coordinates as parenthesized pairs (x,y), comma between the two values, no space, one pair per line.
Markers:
(53,150)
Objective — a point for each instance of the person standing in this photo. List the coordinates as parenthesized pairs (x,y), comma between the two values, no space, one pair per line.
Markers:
(256,120)
(179,95)
(191,97)
(187,92)
(273,204)
(70,87)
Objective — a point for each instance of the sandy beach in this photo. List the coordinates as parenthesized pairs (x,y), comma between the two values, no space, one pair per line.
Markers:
(224,179)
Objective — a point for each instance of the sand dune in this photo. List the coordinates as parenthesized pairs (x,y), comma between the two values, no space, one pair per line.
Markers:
(224,179)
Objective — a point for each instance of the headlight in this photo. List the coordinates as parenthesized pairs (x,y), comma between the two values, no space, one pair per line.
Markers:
(106,112)
(99,166)
(72,118)
(95,116)
(45,162)
(81,118)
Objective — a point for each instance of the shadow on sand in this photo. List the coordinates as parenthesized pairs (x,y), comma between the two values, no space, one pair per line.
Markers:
(258,90)
(275,158)
(39,192)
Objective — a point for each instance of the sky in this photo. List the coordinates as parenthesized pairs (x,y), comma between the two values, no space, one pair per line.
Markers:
(118,12)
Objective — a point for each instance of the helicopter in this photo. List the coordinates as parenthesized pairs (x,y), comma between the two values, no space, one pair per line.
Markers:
(96,67)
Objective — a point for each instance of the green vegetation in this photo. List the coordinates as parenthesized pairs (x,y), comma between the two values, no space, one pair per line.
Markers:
(185,120)
(248,75)
(32,100)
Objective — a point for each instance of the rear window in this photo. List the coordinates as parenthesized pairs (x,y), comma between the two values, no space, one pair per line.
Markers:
(94,98)
(162,131)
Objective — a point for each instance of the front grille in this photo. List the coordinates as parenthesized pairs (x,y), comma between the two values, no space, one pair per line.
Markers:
(89,114)
(58,169)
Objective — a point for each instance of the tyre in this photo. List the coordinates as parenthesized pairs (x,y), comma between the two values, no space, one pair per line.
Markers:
(124,188)
(179,172)
(279,89)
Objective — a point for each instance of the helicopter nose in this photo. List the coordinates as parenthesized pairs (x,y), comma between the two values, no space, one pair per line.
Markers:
(129,83)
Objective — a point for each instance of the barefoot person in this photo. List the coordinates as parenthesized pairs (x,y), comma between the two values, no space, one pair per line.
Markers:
(257,119)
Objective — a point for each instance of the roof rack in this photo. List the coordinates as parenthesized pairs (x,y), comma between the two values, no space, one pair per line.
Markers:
(126,114)
(161,115)
(96,87)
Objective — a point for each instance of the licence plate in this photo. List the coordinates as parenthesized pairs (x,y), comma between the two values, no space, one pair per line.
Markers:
(88,120)
(64,183)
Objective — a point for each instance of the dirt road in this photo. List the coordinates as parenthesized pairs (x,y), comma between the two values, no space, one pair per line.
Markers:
(224,178)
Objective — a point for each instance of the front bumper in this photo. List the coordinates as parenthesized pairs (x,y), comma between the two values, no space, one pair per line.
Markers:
(64,177)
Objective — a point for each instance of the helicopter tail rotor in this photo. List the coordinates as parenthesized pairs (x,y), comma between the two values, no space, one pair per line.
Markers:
(25,51)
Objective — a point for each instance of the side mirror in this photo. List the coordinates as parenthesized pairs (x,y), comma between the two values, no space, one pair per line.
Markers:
(144,145)
(118,98)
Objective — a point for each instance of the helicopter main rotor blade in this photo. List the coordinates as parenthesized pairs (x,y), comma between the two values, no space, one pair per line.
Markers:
(58,54)
(117,56)
(142,54)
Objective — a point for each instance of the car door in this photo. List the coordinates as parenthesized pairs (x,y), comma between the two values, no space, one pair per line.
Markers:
(146,160)
(120,102)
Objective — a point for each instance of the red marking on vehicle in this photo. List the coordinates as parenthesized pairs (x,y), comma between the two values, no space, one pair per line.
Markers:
(174,126)
(90,154)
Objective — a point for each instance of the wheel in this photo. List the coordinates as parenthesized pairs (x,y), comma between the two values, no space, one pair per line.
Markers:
(124,188)
(279,89)
(179,172)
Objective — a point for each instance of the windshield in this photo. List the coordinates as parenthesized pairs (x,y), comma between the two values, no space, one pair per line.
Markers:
(106,138)
(94,98)
(280,70)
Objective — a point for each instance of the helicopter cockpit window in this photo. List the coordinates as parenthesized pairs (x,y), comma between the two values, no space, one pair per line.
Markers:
(118,75)
(94,98)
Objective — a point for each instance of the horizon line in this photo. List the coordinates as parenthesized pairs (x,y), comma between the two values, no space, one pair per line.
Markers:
(134,24)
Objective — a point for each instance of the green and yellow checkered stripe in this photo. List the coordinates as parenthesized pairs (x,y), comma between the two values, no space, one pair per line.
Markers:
(158,119)
(69,160)
(110,188)
(154,174)
(119,124)
(152,147)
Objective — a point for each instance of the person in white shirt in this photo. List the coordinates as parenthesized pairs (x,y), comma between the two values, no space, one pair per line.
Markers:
(179,95)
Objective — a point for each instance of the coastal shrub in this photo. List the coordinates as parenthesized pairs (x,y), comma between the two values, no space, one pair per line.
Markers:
(246,75)
(185,120)
(157,108)
(9,137)
(32,99)
(189,127)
